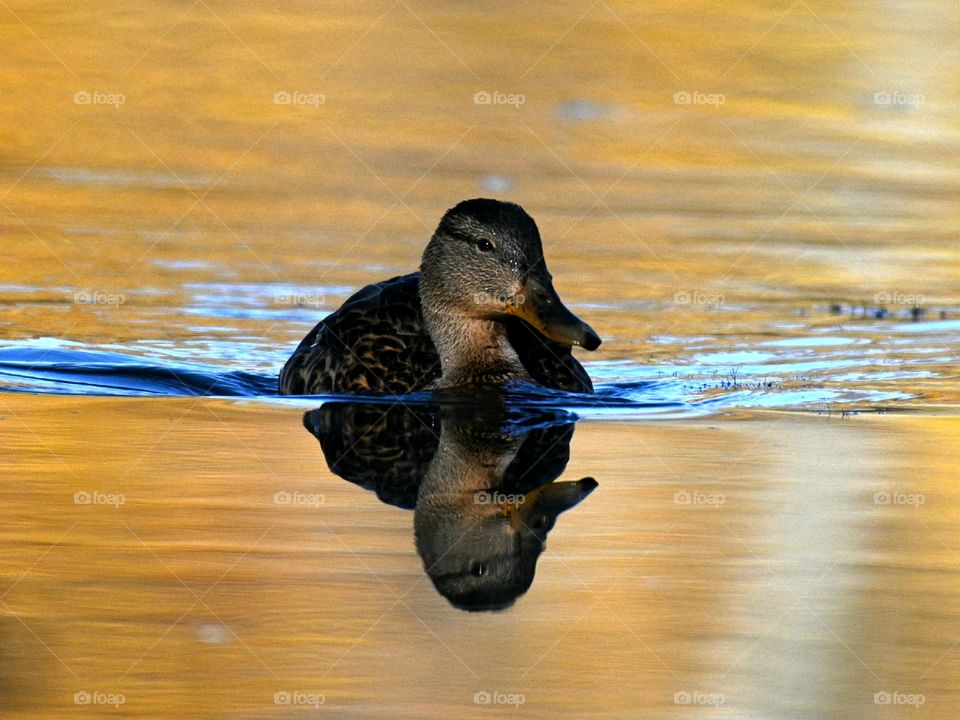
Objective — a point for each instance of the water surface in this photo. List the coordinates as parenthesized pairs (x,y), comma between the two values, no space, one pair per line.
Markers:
(756,206)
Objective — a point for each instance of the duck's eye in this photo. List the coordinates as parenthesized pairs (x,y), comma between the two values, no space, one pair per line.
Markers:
(478,569)
(484,246)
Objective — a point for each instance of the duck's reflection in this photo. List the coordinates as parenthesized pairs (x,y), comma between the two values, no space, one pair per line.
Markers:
(480,478)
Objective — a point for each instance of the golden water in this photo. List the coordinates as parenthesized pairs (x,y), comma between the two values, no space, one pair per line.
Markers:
(210,224)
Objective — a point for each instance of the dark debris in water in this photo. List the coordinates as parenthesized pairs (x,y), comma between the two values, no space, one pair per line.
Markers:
(731,380)
(915,312)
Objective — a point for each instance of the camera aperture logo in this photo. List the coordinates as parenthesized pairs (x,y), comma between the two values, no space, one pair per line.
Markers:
(498,299)
(283,497)
(885,297)
(699,98)
(896,697)
(698,297)
(484,697)
(483,97)
(299,698)
(698,499)
(313,300)
(488,497)
(299,98)
(697,697)
(95,97)
(893,98)
(897,498)
(96,697)
(98,498)
(98,297)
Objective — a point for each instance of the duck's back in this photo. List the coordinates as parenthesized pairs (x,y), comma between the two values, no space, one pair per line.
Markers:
(377,343)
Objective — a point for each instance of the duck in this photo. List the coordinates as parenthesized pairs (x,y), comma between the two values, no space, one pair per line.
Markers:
(481,311)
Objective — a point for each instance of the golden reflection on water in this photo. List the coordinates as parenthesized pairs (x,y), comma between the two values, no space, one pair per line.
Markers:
(802,594)
(800,185)
(755,559)
(807,185)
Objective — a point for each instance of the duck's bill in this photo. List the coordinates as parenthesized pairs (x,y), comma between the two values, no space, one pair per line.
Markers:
(539,304)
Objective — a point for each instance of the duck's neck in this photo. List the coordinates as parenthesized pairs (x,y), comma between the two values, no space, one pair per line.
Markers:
(472,351)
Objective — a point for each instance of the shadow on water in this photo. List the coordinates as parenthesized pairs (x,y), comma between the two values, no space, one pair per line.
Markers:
(78,372)
(479,477)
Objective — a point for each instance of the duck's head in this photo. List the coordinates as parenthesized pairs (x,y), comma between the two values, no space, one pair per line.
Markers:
(485,262)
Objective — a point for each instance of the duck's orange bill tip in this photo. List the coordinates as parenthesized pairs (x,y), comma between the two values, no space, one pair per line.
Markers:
(541,307)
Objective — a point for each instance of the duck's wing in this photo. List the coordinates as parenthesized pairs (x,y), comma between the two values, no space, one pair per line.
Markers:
(549,363)
(376,342)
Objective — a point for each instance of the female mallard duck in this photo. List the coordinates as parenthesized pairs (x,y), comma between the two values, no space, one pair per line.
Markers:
(481,311)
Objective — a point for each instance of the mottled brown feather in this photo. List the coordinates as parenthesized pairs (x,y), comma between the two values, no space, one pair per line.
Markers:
(377,343)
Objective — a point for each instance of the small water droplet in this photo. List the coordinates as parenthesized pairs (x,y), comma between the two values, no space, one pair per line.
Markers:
(497,183)
(213,634)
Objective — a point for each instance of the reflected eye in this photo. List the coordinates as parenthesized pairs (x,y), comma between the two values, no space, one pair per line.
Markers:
(484,246)
(478,568)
